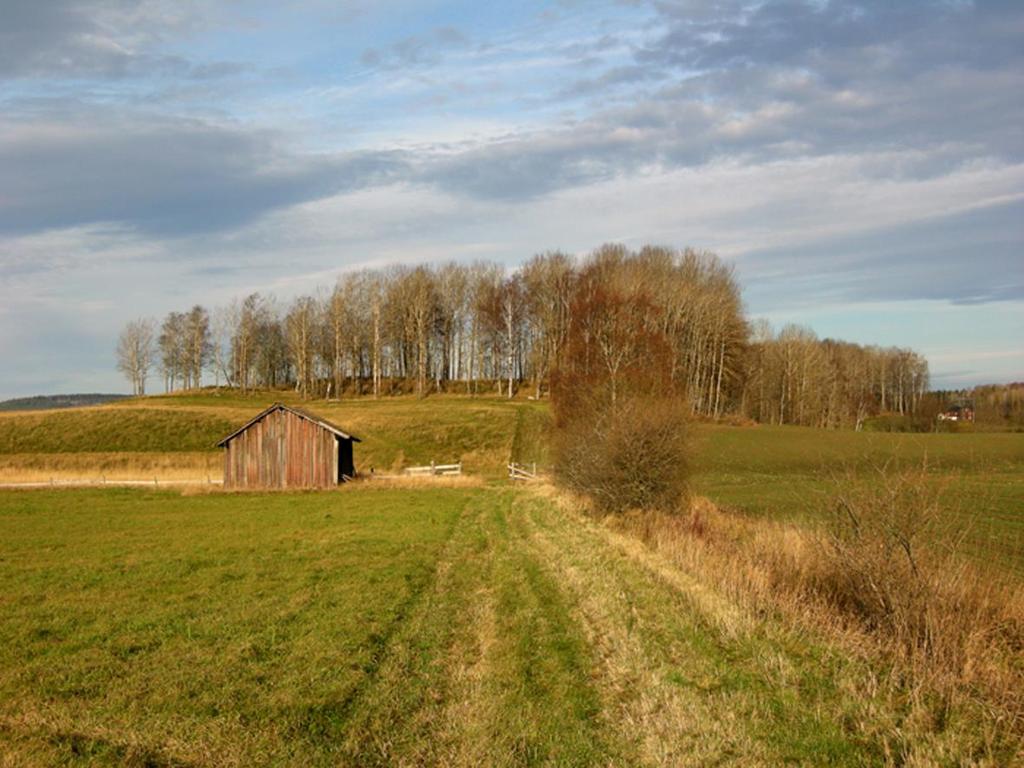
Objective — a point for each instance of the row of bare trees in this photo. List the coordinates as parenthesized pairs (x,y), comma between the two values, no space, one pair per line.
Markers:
(1000,404)
(181,348)
(792,377)
(450,328)
(479,327)
(470,327)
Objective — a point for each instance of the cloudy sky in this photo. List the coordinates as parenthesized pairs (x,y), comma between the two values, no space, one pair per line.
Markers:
(861,163)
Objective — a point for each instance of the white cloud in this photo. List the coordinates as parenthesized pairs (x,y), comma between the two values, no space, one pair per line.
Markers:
(838,158)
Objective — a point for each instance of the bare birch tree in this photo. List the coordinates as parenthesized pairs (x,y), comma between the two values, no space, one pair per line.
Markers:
(301,324)
(135,352)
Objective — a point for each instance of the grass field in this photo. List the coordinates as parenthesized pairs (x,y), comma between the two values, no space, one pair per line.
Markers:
(394,626)
(790,473)
(783,473)
(442,624)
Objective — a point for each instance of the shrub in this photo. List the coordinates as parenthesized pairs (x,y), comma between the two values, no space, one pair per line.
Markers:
(879,557)
(632,457)
(620,415)
(892,558)
(885,577)
(894,422)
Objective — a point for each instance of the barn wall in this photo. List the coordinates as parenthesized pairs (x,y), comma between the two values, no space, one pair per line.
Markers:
(282,450)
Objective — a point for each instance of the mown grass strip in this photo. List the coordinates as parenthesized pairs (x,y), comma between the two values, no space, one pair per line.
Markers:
(489,670)
(709,689)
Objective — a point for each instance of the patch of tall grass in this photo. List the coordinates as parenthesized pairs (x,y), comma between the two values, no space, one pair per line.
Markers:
(165,465)
(887,579)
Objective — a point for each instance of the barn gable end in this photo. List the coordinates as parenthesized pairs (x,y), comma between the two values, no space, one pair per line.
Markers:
(284,447)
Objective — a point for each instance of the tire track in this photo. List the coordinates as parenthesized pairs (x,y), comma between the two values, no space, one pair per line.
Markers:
(686,678)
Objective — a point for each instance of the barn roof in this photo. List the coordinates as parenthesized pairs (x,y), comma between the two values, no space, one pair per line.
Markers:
(298,412)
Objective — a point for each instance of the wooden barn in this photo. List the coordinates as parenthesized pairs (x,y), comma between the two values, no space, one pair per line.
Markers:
(284,447)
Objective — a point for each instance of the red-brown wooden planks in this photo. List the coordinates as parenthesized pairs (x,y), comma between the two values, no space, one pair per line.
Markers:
(281,450)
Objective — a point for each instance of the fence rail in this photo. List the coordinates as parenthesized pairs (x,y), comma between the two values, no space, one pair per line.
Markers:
(521,472)
(436,469)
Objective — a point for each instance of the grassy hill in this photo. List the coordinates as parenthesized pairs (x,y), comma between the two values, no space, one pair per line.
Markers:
(108,429)
(395,432)
(50,402)
(447,427)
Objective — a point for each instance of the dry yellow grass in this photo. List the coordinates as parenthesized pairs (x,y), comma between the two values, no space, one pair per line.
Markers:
(91,467)
(669,725)
(946,637)
(422,481)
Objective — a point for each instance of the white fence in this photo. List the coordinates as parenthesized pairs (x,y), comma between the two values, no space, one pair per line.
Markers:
(522,471)
(436,469)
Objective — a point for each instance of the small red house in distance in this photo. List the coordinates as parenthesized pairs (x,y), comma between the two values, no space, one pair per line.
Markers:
(285,447)
(958,412)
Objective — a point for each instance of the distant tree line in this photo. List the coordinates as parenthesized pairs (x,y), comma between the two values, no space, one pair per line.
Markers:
(481,328)
(1000,405)
(792,377)
(994,406)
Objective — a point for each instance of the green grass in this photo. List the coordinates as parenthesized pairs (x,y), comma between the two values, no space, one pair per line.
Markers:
(395,431)
(479,431)
(104,429)
(135,617)
(369,626)
(794,450)
(782,473)
(790,473)
(454,626)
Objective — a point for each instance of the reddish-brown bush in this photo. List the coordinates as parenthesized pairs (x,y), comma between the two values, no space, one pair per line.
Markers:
(620,421)
(633,456)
